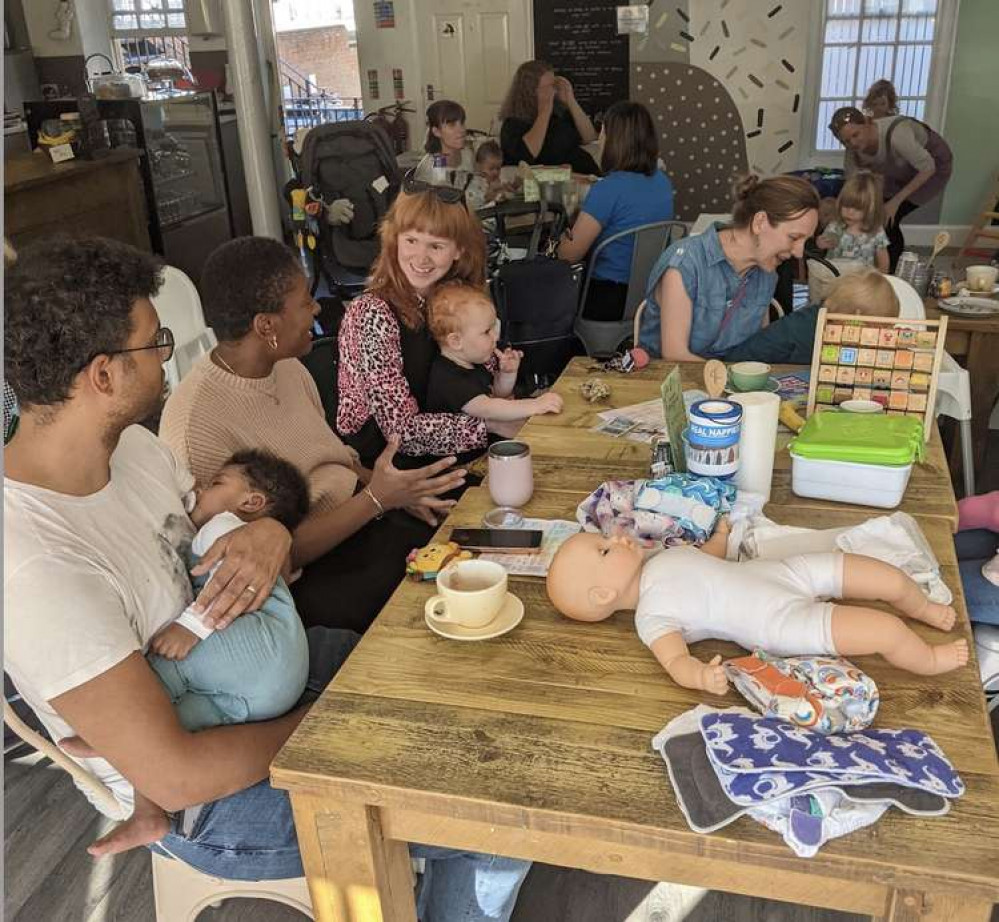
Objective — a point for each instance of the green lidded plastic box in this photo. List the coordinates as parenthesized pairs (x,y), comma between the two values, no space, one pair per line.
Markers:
(861,438)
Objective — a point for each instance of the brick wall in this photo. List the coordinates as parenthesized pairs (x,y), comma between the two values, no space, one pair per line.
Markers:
(325,52)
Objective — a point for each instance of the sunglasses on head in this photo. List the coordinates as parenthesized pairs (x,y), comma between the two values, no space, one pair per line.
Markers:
(846,117)
(447,194)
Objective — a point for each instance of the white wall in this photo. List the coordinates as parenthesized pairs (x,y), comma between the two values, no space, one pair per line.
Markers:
(89,34)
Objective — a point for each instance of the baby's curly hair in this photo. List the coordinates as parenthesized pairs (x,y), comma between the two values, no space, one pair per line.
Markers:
(283,484)
(448,305)
(67,301)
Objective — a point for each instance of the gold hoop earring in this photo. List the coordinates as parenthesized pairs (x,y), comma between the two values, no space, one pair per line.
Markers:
(274,343)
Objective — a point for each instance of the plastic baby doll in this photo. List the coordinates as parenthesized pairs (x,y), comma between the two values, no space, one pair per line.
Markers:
(687,594)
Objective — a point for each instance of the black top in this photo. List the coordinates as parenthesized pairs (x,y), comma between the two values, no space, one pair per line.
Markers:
(418,353)
(561,143)
(452,386)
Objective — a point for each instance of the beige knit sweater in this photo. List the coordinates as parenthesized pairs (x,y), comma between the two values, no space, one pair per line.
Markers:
(213,414)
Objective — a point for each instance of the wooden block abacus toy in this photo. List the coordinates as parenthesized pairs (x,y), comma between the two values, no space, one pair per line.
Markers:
(891,361)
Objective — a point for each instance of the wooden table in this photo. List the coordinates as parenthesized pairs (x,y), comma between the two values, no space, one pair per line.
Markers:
(102,197)
(537,745)
(977,340)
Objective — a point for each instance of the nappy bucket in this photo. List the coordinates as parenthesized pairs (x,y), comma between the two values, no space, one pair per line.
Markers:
(711,439)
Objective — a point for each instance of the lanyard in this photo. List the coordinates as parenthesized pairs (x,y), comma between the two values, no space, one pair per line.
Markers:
(734,304)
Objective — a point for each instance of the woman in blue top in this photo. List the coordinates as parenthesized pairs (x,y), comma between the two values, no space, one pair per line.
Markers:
(634,191)
(708,293)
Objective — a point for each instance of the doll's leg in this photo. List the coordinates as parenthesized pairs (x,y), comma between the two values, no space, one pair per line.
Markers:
(867,579)
(717,544)
(860,631)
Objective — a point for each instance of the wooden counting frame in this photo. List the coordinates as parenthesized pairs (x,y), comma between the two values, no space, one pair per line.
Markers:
(891,361)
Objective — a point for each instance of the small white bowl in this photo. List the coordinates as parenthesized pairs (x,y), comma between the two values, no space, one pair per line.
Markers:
(861,406)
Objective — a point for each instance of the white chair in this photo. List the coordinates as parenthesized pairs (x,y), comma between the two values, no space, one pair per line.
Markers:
(602,337)
(179,307)
(953,382)
(180,892)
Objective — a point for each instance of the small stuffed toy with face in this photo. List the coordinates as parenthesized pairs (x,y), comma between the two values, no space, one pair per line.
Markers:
(425,563)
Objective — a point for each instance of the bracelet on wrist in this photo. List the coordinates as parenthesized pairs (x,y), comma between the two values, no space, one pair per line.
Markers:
(378,505)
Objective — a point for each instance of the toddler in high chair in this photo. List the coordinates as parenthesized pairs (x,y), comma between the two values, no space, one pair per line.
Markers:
(858,231)
(687,594)
(463,321)
(257,667)
(486,186)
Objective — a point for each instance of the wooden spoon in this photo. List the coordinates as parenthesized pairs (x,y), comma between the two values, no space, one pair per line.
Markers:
(939,243)
(715,377)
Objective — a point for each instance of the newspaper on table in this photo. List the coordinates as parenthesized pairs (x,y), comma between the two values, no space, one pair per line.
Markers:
(555,532)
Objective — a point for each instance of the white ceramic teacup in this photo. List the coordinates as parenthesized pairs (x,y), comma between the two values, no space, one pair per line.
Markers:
(981,278)
(470,593)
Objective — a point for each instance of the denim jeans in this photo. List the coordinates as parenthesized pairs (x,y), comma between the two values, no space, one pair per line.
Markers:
(251,835)
(975,548)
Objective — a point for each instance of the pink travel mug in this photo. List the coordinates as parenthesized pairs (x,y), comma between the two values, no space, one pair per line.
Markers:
(511,477)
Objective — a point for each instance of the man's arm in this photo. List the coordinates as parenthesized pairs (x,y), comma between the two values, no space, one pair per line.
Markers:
(125,715)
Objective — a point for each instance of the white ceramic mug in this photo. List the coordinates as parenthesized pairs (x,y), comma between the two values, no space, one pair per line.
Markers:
(511,473)
(470,593)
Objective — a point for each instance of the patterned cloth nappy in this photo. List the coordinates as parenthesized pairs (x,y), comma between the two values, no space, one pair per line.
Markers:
(758,759)
(821,693)
(672,510)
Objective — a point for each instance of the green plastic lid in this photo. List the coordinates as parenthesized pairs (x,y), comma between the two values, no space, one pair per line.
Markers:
(860,437)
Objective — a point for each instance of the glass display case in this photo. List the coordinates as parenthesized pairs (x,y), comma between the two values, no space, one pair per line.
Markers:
(183,169)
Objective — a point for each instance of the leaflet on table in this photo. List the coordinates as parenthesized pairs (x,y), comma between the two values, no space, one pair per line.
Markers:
(640,422)
(555,532)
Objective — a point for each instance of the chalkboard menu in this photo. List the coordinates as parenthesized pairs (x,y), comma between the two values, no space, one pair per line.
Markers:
(579,38)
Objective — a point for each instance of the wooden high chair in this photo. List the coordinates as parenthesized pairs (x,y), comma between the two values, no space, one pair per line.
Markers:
(180,892)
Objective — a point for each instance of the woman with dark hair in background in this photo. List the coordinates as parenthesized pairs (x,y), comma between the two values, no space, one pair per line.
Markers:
(446,135)
(543,123)
(708,293)
(633,192)
(914,161)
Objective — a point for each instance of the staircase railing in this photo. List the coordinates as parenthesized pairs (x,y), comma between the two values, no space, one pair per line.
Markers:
(306,104)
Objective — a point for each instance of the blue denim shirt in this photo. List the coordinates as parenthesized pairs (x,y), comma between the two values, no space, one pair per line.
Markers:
(711,283)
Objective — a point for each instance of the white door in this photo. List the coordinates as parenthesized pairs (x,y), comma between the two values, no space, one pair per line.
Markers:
(469,51)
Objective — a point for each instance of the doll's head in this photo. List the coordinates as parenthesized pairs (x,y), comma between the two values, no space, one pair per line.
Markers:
(592,576)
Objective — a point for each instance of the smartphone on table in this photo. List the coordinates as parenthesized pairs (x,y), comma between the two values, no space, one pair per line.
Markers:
(498,540)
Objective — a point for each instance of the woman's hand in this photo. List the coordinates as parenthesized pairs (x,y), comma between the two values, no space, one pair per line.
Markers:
(396,489)
(891,209)
(252,557)
(546,96)
(564,92)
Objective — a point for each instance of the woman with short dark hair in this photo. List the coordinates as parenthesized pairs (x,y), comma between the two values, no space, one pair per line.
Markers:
(633,192)
(446,136)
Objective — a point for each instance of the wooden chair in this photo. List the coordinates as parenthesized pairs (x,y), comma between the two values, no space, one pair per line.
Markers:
(180,892)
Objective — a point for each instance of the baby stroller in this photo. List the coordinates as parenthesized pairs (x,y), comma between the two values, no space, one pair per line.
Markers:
(353,161)
(536,296)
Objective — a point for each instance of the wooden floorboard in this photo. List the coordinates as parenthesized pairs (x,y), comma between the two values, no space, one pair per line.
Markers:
(50,878)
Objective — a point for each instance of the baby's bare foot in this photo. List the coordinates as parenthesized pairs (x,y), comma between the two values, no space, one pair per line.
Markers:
(949,656)
(937,615)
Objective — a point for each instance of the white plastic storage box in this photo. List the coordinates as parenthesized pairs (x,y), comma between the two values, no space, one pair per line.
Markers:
(856,458)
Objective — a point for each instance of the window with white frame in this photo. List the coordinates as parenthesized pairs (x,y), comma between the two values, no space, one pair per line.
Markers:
(867,40)
(142,29)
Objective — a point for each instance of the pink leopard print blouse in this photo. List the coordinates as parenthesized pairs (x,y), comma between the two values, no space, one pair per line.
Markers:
(372,384)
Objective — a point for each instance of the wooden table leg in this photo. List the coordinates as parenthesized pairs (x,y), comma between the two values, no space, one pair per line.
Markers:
(983,368)
(915,906)
(355,874)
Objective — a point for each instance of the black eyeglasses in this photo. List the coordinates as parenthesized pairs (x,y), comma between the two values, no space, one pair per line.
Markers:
(164,343)
(449,195)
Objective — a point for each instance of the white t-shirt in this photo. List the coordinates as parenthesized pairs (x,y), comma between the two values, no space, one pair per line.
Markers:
(88,580)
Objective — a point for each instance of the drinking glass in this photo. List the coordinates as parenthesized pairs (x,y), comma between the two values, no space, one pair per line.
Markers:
(511,482)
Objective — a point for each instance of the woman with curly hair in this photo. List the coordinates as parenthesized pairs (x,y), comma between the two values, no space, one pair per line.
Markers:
(542,121)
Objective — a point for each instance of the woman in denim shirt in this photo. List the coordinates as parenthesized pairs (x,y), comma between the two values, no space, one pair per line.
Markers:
(708,293)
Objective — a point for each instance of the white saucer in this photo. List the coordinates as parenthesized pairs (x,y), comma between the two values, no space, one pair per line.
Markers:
(510,615)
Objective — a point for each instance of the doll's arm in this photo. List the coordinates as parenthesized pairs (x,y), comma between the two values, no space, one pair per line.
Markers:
(686,670)
(717,544)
